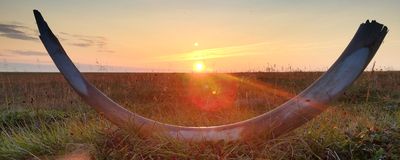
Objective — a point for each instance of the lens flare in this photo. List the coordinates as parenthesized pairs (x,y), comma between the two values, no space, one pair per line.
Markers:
(212,92)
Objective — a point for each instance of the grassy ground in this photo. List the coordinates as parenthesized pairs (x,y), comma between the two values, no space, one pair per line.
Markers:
(42,118)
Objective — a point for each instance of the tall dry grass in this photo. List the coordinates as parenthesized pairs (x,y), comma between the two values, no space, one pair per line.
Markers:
(41,116)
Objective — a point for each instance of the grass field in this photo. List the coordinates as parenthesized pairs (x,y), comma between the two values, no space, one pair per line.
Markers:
(41,117)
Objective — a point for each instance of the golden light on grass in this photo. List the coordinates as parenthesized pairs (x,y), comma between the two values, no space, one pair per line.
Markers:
(199,67)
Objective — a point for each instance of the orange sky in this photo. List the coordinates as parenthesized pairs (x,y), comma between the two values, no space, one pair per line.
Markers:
(160,35)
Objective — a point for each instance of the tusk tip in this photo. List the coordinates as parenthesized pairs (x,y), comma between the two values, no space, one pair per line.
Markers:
(41,23)
(38,16)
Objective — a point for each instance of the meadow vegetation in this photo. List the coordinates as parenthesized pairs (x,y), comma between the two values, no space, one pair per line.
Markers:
(41,117)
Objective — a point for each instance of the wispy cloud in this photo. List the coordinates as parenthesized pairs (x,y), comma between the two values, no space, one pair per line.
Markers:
(12,53)
(275,47)
(213,53)
(14,31)
(27,52)
(87,41)
(21,32)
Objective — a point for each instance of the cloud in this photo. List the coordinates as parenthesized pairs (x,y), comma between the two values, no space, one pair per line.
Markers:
(81,44)
(266,47)
(26,53)
(214,53)
(87,41)
(21,32)
(14,31)
(105,51)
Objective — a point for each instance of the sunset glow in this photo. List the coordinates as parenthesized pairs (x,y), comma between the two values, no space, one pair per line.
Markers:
(207,79)
(139,36)
(199,67)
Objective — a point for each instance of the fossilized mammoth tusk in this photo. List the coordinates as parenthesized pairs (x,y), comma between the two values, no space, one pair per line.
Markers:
(288,116)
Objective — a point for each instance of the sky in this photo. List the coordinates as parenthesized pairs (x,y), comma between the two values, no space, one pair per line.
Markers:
(176,35)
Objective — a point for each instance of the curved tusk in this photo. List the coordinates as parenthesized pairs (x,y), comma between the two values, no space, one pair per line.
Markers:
(290,115)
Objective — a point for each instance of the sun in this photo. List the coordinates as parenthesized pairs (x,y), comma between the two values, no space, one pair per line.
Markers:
(199,67)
